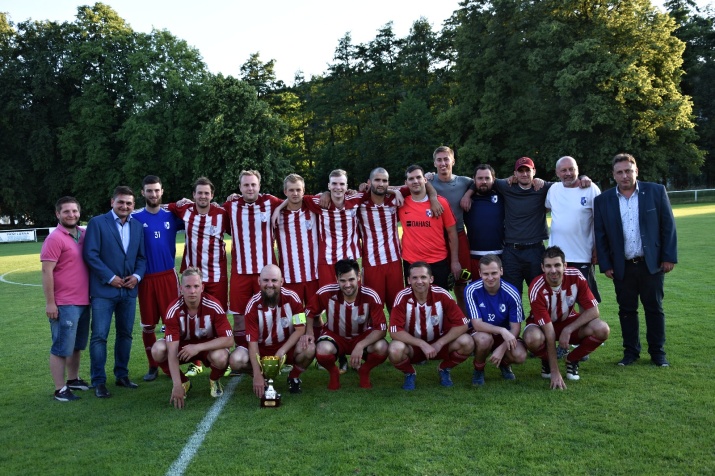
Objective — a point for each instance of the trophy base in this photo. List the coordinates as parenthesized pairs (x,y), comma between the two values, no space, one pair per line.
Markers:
(271,403)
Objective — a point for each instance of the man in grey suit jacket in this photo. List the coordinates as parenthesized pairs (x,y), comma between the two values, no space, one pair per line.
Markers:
(114,252)
(636,244)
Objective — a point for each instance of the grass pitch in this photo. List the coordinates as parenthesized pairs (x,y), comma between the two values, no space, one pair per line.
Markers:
(633,420)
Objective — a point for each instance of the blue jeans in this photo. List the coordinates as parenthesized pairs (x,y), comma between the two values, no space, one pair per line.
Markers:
(124,309)
(70,330)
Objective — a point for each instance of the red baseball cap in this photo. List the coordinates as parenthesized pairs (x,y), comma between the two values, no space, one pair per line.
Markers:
(524,162)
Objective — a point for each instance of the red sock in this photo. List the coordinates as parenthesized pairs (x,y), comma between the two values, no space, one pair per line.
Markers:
(295,373)
(588,345)
(217,373)
(405,366)
(372,361)
(541,352)
(164,366)
(454,359)
(328,363)
(149,339)
(479,365)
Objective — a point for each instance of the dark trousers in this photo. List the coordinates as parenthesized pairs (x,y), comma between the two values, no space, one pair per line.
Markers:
(638,282)
(588,273)
(440,272)
(522,265)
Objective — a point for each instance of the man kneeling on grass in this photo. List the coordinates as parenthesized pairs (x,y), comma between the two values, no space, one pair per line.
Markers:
(494,307)
(355,324)
(426,323)
(275,323)
(196,328)
(553,296)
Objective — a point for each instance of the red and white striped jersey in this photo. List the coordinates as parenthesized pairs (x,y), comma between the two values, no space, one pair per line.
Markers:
(339,230)
(428,321)
(554,305)
(348,319)
(273,325)
(252,234)
(209,323)
(297,239)
(380,240)
(205,248)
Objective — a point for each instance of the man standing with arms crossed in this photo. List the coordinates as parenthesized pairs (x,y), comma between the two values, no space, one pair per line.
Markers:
(572,219)
(114,253)
(160,286)
(355,325)
(65,282)
(636,244)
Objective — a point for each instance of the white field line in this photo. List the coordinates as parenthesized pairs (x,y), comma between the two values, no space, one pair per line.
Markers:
(2,278)
(178,467)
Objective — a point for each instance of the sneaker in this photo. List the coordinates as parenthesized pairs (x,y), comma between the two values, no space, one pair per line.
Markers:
(187,387)
(409,383)
(151,374)
(572,370)
(194,370)
(445,379)
(163,329)
(660,362)
(65,395)
(343,361)
(561,352)
(545,369)
(216,388)
(478,378)
(318,366)
(585,358)
(77,384)
(506,372)
(294,385)
(627,360)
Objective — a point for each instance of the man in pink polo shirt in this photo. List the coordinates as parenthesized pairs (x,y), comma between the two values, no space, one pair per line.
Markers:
(65,282)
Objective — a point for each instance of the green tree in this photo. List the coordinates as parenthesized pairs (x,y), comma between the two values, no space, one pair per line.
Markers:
(580,77)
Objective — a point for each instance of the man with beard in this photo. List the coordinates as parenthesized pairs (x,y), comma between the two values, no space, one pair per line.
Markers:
(196,328)
(275,323)
(205,249)
(553,296)
(382,256)
(160,286)
(355,325)
(485,219)
(65,282)
(426,323)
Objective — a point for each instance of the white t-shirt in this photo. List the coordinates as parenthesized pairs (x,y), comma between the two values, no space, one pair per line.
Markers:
(572,220)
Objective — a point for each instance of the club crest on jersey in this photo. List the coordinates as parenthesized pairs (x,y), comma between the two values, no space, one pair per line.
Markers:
(435,319)
(502,307)
(308,225)
(212,230)
(495,198)
(583,201)
(167,225)
(428,212)
(202,332)
(264,217)
(285,322)
(352,212)
(390,211)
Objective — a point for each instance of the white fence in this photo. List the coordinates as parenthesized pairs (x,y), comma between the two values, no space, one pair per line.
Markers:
(705,194)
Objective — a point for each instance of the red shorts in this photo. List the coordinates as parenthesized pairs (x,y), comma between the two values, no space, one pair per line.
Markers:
(267,350)
(156,292)
(386,279)
(464,258)
(326,274)
(304,290)
(419,356)
(559,327)
(344,345)
(474,268)
(218,290)
(202,356)
(243,287)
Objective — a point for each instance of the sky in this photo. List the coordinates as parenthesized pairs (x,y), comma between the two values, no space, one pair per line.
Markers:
(301,35)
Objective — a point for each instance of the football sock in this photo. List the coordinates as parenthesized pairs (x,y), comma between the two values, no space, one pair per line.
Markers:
(541,352)
(454,359)
(405,366)
(479,365)
(149,339)
(588,345)
(216,373)
(328,363)
(295,373)
(372,361)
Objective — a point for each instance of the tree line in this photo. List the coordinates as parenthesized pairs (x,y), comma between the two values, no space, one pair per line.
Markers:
(90,104)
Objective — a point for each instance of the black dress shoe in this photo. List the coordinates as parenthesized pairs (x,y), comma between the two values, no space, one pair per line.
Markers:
(100,391)
(125,382)
(628,360)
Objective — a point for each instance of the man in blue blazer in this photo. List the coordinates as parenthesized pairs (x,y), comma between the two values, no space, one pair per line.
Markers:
(636,244)
(114,252)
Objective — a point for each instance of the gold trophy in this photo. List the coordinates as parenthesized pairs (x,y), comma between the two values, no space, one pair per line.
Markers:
(270,368)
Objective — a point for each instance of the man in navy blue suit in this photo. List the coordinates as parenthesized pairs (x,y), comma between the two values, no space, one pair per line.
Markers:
(636,244)
(114,252)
